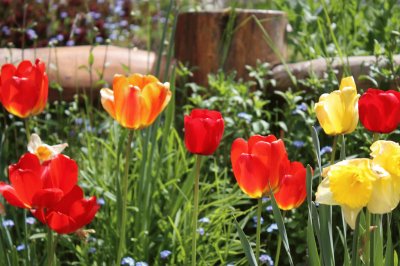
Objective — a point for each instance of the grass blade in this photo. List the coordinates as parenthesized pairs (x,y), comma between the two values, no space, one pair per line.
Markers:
(246,246)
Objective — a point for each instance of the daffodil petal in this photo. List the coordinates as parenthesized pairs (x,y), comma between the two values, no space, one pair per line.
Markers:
(385,196)
(324,194)
(350,215)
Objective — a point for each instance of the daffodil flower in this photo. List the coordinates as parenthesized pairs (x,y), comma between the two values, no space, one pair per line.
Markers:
(43,151)
(353,184)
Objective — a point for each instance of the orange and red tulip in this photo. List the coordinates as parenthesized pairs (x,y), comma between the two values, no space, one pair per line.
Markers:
(24,89)
(292,189)
(259,164)
(135,101)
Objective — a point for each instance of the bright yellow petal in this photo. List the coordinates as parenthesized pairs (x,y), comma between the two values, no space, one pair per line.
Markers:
(387,155)
(347,82)
(329,111)
(351,182)
(349,98)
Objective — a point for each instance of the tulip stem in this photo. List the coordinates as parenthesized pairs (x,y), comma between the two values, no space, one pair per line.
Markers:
(195,208)
(278,250)
(375,137)
(51,247)
(258,232)
(334,146)
(123,200)
(367,236)
(27,131)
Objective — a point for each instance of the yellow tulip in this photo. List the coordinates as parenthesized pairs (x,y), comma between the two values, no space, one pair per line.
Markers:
(135,101)
(337,112)
(354,184)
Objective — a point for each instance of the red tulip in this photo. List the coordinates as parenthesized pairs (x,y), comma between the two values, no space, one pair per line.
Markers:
(36,185)
(24,90)
(380,110)
(259,164)
(203,131)
(71,213)
(292,189)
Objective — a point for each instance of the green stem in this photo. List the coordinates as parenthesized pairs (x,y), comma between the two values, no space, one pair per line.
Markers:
(258,232)
(27,130)
(367,237)
(123,198)
(334,146)
(375,137)
(195,209)
(278,250)
(51,248)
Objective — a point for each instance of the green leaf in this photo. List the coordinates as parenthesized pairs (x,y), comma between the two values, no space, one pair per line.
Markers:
(389,257)
(346,250)
(91,59)
(311,244)
(355,259)
(317,148)
(246,245)
(281,227)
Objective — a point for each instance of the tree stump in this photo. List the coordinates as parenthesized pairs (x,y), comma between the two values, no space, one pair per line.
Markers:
(249,35)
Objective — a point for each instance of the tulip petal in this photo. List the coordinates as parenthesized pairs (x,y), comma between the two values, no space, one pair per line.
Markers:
(26,184)
(140,80)
(251,175)
(47,198)
(11,196)
(156,96)
(62,173)
(107,100)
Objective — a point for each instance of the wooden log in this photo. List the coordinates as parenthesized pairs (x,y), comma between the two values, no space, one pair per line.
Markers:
(65,65)
(200,37)
(359,66)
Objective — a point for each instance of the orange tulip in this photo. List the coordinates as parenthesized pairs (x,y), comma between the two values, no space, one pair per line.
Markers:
(292,190)
(24,90)
(135,101)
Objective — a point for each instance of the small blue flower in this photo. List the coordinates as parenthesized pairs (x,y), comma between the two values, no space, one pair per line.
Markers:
(92,250)
(165,254)
(265,199)
(6,30)
(272,227)
(326,149)
(269,208)
(298,143)
(63,14)
(245,116)
(128,261)
(101,201)
(95,15)
(31,34)
(60,37)
(20,247)
(123,23)
(255,220)
(99,39)
(266,259)
(78,31)
(8,223)
(201,231)
(70,43)
(205,220)
(142,263)
(230,264)
(30,220)
(302,107)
